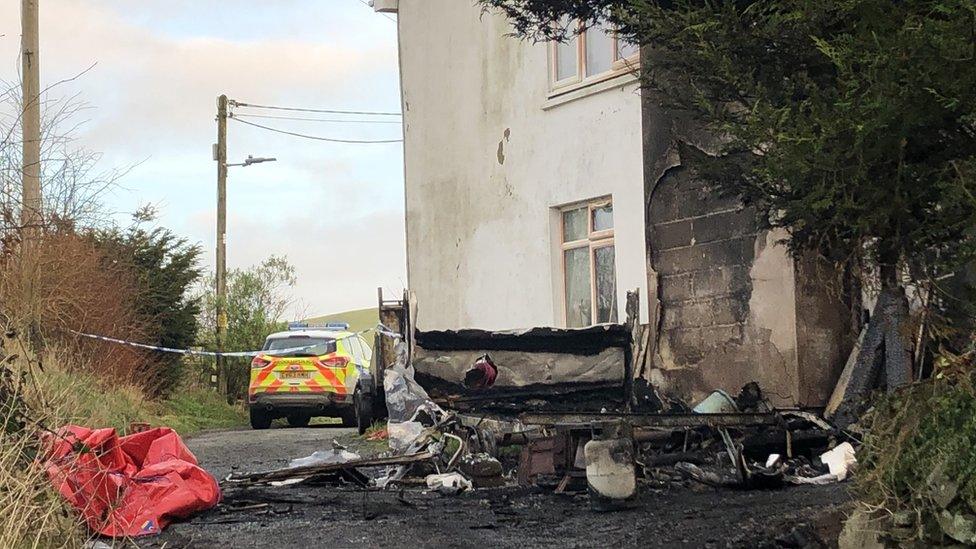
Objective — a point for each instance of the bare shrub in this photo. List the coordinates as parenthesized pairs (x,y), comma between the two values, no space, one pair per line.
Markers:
(72,183)
(69,285)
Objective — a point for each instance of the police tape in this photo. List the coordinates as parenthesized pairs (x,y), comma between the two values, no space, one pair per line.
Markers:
(380,329)
(384,331)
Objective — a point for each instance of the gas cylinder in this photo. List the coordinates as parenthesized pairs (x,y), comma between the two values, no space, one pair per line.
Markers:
(610,473)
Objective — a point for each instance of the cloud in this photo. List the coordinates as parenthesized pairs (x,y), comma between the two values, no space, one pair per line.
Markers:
(339,261)
(160,66)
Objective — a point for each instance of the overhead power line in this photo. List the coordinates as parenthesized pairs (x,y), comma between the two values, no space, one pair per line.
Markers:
(324,111)
(365,3)
(316,138)
(304,119)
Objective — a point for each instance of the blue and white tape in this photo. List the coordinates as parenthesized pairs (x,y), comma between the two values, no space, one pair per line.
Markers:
(384,331)
(380,329)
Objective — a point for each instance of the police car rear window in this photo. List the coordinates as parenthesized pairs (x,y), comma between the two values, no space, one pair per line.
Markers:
(317,345)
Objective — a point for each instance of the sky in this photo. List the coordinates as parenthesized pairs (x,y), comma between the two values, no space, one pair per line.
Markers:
(335,210)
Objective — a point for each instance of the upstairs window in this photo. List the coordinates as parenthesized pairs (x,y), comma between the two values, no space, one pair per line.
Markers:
(590,55)
(589,269)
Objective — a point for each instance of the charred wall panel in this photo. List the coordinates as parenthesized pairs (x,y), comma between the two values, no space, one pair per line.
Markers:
(825,335)
(541,368)
(703,249)
(729,307)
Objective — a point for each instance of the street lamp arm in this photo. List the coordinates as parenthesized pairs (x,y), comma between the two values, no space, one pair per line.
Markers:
(252,160)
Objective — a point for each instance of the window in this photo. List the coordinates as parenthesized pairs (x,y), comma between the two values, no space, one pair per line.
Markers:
(317,346)
(589,268)
(367,351)
(592,55)
(359,350)
(352,347)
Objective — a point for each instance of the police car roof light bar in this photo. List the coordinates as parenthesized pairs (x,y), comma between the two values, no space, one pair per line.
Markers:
(299,326)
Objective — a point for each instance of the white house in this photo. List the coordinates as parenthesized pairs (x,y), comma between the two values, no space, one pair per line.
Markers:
(541,186)
(524,179)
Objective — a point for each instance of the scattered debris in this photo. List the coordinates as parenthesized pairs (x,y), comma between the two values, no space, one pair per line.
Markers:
(325,457)
(483,470)
(449,484)
(401,434)
(710,478)
(411,410)
(294,475)
(539,457)
(718,402)
(610,473)
(448,432)
(839,460)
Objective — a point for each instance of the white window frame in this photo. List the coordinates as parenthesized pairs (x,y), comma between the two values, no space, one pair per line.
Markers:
(594,240)
(619,65)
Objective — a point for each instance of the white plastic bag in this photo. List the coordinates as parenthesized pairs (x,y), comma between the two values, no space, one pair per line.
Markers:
(403,394)
(324,457)
(840,460)
(406,401)
(449,484)
(402,435)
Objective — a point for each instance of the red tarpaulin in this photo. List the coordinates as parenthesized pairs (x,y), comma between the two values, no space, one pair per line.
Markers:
(129,486)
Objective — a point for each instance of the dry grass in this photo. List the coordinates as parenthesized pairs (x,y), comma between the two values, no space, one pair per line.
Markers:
(35,402)
(32,514)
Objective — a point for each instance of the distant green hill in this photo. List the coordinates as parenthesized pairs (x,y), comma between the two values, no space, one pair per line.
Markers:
(358,320)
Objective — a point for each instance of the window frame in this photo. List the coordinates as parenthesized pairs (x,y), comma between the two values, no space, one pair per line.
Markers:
(618,65)
(594,240)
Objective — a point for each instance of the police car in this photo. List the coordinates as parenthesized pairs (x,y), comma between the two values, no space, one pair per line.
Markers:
(311,371)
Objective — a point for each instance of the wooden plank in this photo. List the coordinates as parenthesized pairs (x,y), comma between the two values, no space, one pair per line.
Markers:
(634,325)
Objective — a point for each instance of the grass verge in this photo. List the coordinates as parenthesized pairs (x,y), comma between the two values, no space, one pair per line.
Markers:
(33,400)
(92,402)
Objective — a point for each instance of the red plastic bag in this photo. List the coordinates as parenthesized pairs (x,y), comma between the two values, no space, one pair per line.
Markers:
(128,486)
(482,374)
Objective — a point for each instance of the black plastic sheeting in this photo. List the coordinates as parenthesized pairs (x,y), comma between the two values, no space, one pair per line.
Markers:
(581,341)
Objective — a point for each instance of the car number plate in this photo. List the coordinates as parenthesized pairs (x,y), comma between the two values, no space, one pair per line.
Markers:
(293,375)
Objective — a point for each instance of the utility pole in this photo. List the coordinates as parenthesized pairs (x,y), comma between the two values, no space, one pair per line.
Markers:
(222,379)
(30,215)
(220,155)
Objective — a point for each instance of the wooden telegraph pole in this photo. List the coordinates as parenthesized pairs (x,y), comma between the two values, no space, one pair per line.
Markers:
(220,155)
(30,214)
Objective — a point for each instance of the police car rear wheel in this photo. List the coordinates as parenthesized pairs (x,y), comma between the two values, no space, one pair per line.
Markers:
(348,418)
(259,419)
(364,411)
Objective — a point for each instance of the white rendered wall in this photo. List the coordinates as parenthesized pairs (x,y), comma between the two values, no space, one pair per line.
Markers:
(488,156)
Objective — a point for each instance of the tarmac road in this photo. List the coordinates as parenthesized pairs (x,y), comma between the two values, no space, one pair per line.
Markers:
(247,450)
(678,515)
